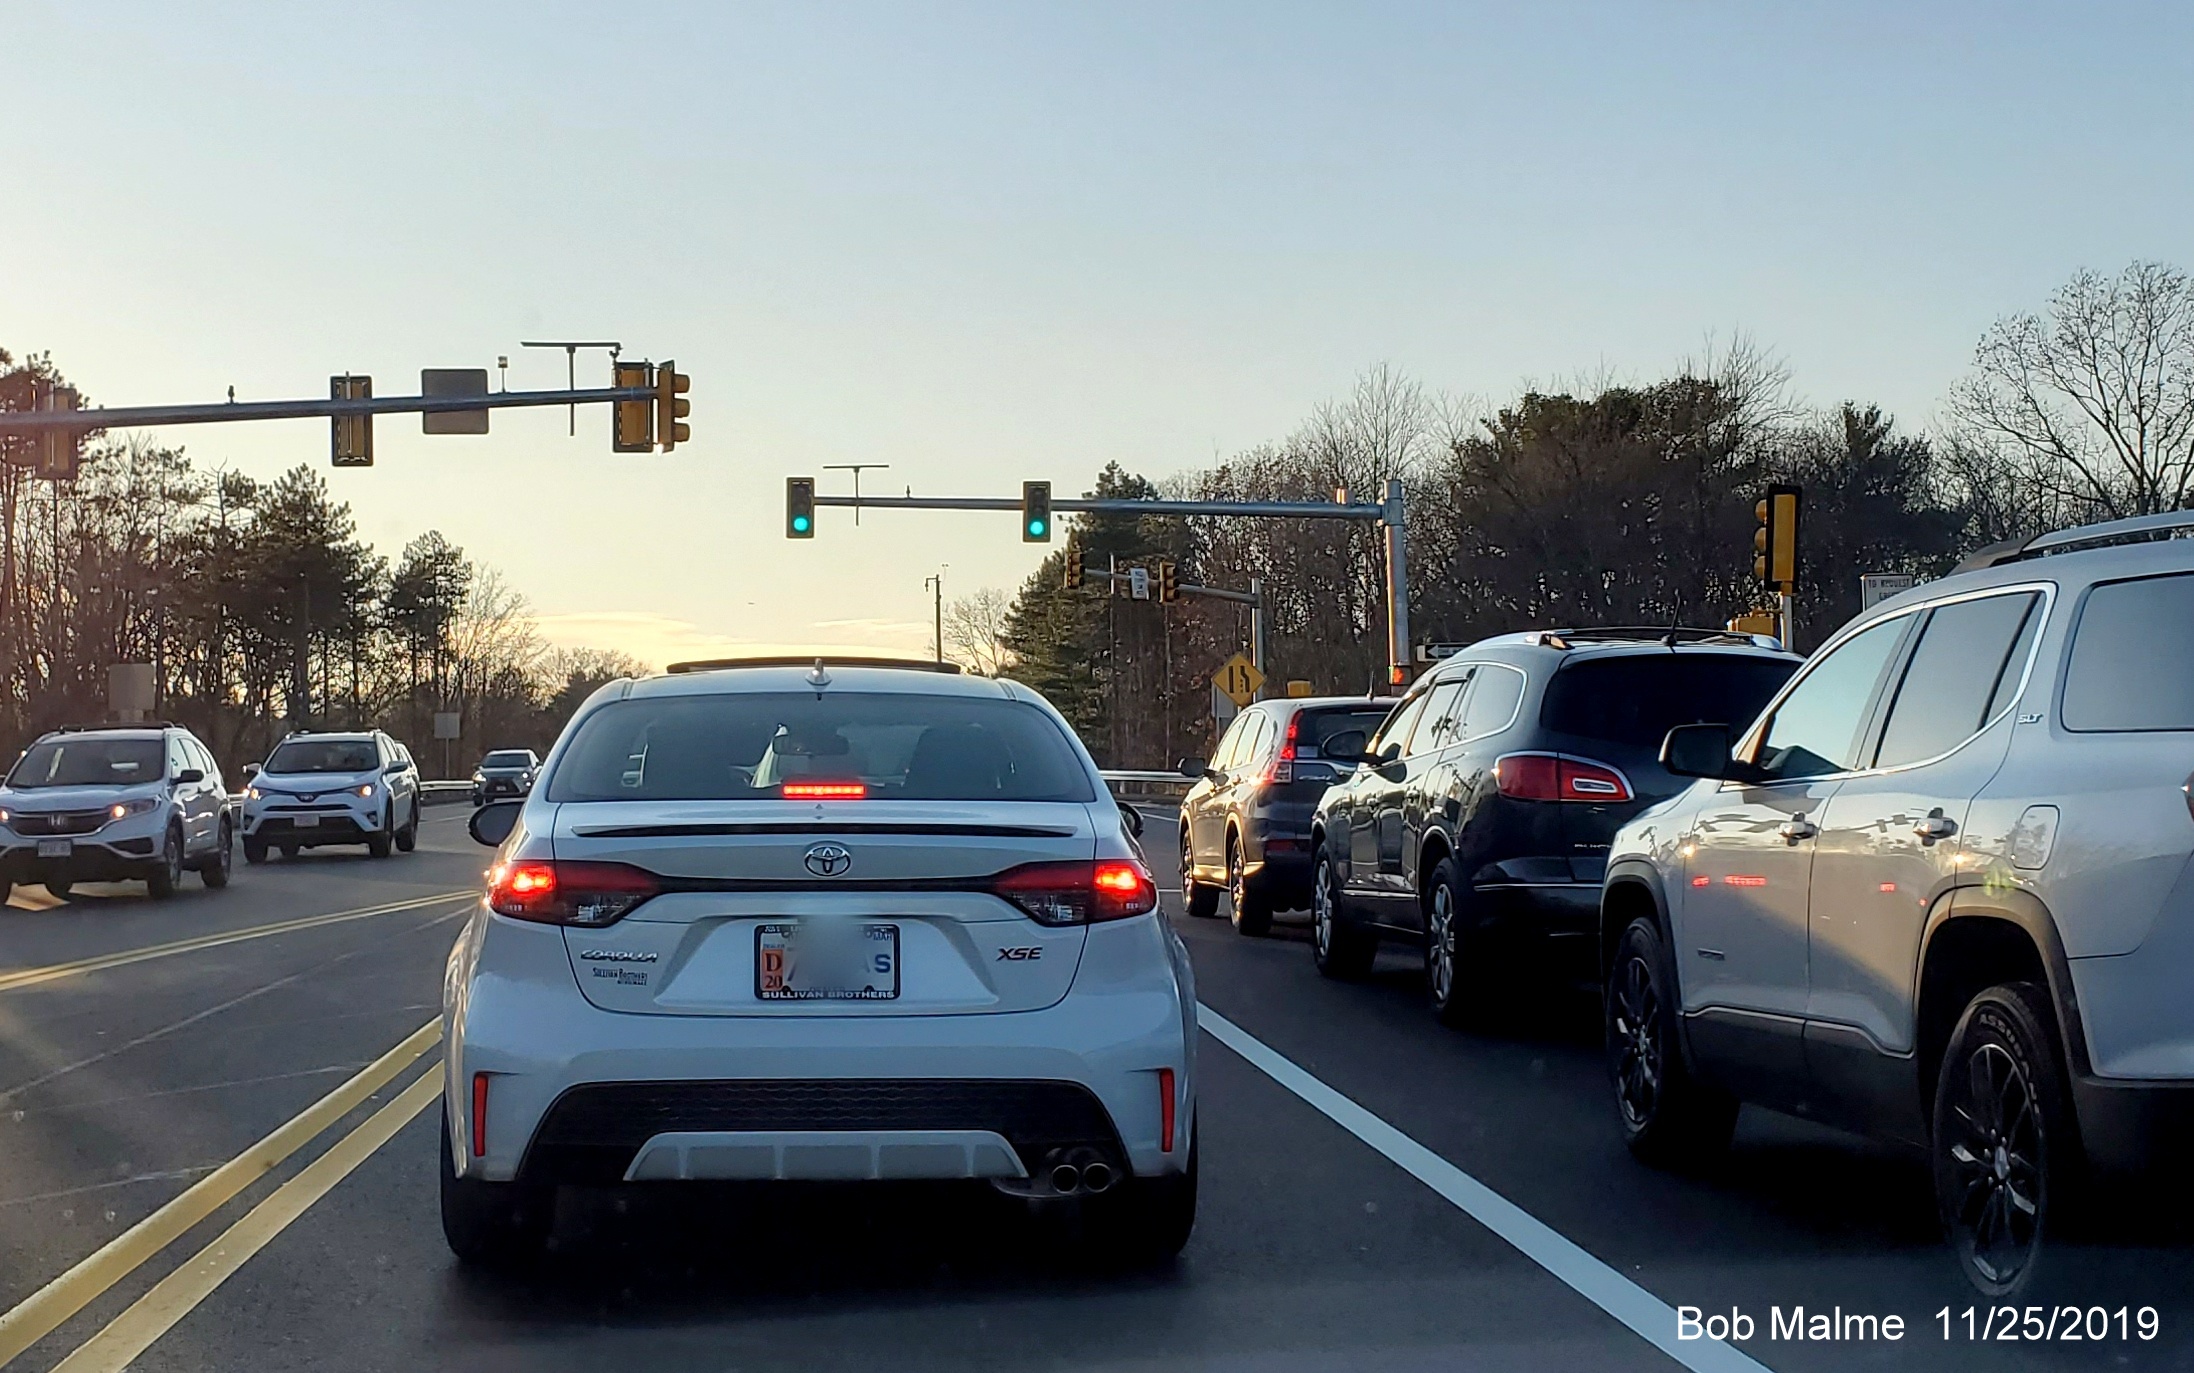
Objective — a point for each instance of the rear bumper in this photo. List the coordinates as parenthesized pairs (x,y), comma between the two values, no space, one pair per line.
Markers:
(2134,1126)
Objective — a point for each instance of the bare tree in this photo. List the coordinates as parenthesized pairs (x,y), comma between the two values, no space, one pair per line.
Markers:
(2090,403)
(975,628)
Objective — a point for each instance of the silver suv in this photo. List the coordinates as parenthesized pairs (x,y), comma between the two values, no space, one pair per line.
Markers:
(1939,892)
(114,803)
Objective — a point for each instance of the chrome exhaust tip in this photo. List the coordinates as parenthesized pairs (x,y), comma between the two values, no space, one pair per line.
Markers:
(1065,1178)
(1096,1177)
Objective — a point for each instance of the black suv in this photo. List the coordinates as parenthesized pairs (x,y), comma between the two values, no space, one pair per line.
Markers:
(505,772)
(1478,821)
(1246,822)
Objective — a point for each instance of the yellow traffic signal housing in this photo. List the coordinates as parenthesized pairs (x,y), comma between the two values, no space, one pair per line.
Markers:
(1169,581)
(1775,541)
(631,422)
(671,407)
(350,436)
(1036,512)
(799,507)
(1077,570)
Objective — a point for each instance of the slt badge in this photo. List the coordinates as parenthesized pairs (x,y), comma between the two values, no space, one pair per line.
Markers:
(828,860)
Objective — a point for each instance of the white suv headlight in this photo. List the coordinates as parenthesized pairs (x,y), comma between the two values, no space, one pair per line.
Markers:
(138,806)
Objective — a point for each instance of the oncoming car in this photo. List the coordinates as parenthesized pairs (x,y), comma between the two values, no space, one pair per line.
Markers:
(841,922)
(321,789)
(107,803)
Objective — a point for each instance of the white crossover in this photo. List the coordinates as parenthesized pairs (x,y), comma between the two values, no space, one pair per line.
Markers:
(321,789)
(847,921)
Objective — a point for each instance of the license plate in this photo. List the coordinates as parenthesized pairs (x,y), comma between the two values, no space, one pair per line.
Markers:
(304,822)
(56,848)
(826,961)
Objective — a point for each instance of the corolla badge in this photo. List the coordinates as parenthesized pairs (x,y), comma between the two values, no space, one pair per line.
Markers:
(828,860)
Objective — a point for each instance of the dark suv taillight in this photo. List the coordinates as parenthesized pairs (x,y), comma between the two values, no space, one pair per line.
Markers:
(1078,893)
(568,893)
(1558,777)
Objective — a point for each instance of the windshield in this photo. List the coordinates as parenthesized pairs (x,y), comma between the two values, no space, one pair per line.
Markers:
(1637,699)
(90,762)
(324,755)
(1320,725)
(507,760)
(900,746)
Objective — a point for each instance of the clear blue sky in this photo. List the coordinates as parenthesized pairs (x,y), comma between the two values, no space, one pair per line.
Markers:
(990,242)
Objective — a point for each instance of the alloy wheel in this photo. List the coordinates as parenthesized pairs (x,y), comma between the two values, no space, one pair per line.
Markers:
(1188,861)
(1321,913)
(1997,1153)
(1440,946)
(1637,1047)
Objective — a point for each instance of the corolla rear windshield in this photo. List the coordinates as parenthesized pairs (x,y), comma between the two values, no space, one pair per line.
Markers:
(885,746)
(90,762)
(324,755)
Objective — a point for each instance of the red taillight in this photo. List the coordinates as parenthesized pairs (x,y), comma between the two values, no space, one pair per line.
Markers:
(1283,767)
(1165,1110)
(568,893)
(1558,777)
(479,1115)
(824,791)
(1079,893)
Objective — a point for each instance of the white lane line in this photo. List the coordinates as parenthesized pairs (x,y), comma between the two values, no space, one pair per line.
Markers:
(1646,1314)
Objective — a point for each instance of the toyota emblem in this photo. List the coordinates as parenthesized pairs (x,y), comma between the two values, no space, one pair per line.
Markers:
(829,860)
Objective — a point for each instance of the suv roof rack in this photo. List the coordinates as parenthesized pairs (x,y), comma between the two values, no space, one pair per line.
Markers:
(1662,634)
(80,728)
(815,660)
(2138,529)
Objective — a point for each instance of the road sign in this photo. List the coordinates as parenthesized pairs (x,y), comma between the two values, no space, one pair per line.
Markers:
(453,381)
(1433,653)
(1877,587)
(1138,583)
(1239,679)
(1298,687)
(446,724)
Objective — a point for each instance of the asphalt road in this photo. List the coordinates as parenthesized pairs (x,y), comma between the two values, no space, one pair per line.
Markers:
(131,1070)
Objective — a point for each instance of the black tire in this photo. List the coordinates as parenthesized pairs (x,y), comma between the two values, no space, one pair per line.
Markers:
(493,1224)
(59,891)
(162,881)
(1669,1118)
(1340,948)
(1459,981)
(1144,1222)
(2004,1146)
(382,842)
(214,871)
(255,850)
(1251,909)
(407,838)
(288,851)
(1201,899)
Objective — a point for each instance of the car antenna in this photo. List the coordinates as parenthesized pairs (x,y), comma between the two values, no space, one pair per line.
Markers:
(818,675)
(1675,622)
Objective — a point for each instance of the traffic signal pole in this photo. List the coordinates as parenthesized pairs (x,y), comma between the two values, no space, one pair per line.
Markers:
(318,407)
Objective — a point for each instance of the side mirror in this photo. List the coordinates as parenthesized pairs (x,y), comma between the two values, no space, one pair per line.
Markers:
(251,770)
(493,822)
(1702,751)
(1345,747)
(398,766)
(1195,768)
(189,776)
(1132,819)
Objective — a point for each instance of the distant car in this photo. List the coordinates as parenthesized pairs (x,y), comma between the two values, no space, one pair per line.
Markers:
(505,772)
(321,789)
(1477,824)
(1245,824)
(1939,892)
(841,922)
(112,803)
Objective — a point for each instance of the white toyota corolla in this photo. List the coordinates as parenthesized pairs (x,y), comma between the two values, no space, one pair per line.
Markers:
(852,921)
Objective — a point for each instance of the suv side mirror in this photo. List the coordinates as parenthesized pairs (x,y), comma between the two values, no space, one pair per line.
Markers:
(1131,819)
(190,776)
(493,822)
(1702,751)
(251,770)
(1347,746)
(398,766)
(1195,769)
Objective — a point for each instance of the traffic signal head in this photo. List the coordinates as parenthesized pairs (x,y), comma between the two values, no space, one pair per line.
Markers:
(799,507)
(1169,581)
(1036,512)
(632,422)
(1077,567)
(351,436)
(1775,539)
(671,407)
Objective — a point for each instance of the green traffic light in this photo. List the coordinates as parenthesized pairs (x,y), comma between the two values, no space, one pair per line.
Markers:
(1036,527)
(800,523)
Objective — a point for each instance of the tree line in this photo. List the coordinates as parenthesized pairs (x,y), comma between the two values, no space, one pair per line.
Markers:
(1606,502)
(258,607)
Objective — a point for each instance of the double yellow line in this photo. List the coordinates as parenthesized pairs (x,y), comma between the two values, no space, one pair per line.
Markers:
(128,1335)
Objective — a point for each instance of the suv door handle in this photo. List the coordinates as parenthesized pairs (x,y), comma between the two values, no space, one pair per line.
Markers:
(1934,827)
(1797,828)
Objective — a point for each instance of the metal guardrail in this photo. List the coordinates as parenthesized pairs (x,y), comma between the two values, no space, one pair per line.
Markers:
(1146,786)
(444,793)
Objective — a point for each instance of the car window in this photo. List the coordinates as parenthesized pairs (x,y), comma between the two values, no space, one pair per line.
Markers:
(1637,698)
(1495,692)
(177,759)
(1943,700)
(508,758)
(760,745)
(93,761)
(1815,730)
(1398,726)
(1222,757)
(1259,742)
(322,755)
(2133,657)
(1317,726)
(1441,719)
